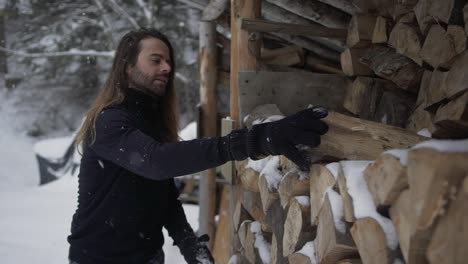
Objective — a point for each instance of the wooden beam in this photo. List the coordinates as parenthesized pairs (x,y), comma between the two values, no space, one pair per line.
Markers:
(241,59)
(260,25)
(221,252)
(374,138)
(208,103)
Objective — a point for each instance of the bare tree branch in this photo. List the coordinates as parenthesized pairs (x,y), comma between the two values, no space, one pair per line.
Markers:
(72,52)
(146,11)
(108,25)
(121,11)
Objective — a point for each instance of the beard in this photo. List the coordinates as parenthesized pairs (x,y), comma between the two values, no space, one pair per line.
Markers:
(145,83)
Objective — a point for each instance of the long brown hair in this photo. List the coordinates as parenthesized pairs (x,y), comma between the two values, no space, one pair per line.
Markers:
(113,91)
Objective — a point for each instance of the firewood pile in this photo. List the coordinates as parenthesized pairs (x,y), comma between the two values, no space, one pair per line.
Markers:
(377,192)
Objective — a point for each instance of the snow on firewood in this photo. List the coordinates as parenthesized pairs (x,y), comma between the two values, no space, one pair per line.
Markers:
(363,203)
(309,250)
(260,243)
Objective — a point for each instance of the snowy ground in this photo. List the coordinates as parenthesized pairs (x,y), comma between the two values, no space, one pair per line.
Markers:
(35,220)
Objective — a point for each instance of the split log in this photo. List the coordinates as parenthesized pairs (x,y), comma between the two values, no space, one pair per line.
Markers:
(363,95)
(451,120)
(374,138)
(239,215)
(275,13)
(386,178)
(413,242)
(432,177)
(360,30)
(343,5)
(403,8)
(316,11)
(351,62)
(293,183)
(381,7)
(253,205)
(297,228)
(465,16)
(249,179)
(457,34)
(299,258)
(348,206)
(251,251)
(394,108)
(423,88)
(316,64)
(286,164)
(242,233)
(421,119)
(371,242)
(349,261)
(457,78)
(448,244)
(435,91)
(267,195)
(260,25)
(438,49)
(388,64)
(286,56)
(331,244)
(406,39)
(321,179)
(432,11)
(313,46)
(275,217)
(382,30)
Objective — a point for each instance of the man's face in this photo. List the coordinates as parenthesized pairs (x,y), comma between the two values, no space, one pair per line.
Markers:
(151,71)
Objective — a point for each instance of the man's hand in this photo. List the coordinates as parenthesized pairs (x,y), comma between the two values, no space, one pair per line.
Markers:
(282,137)
(195,250)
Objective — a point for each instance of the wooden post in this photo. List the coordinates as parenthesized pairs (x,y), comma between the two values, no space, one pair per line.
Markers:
(244,53)
(208,81)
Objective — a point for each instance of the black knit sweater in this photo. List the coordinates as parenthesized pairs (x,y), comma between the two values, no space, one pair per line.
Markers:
(126,189)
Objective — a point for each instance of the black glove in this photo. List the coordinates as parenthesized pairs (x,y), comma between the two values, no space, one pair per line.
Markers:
(195,250)
(281,137)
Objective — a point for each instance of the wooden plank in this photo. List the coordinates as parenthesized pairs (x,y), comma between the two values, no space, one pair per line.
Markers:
(373,138)
(260,25)
(448,244)
(221,252)
(257,88)
(371,242)
(386,178)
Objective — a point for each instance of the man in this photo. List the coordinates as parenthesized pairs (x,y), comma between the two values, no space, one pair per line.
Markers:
(131,155)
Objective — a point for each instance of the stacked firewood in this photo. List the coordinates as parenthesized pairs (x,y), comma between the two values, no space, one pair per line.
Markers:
(404,206)
(408,60)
